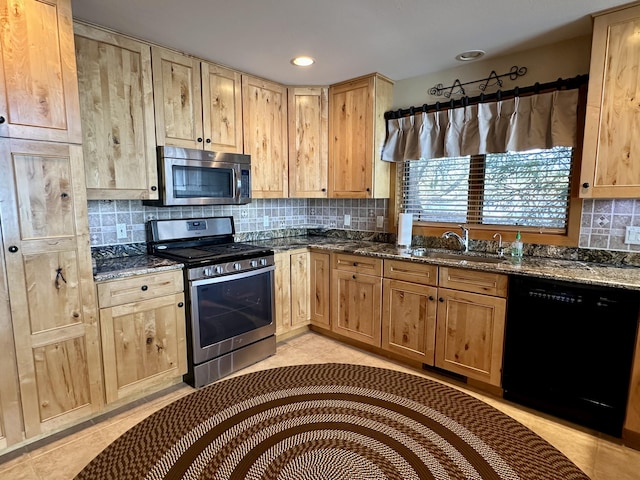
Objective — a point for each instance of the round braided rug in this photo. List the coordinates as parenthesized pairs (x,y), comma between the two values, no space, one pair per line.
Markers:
(330,422)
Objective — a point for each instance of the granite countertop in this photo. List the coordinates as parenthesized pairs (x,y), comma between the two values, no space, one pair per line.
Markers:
(122,267)
(620,276)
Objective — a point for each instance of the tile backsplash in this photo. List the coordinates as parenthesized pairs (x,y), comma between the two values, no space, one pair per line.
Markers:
(602,225)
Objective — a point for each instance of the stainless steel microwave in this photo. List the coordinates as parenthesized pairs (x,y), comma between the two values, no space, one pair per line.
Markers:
(197,177)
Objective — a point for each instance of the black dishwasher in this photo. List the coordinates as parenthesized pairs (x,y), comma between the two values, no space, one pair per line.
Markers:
(569,350)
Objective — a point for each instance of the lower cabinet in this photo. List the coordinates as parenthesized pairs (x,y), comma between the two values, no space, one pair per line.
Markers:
(356,292)
(142,322)
(320,278)
(292,290)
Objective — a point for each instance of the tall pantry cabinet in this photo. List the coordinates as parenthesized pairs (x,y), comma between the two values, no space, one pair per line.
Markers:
(45,237)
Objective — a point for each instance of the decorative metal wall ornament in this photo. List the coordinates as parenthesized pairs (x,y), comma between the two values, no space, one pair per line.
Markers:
(493,79)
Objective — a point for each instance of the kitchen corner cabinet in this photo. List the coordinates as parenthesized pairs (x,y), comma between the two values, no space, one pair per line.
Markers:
(409,310)
(611,153)
(264,118)
(116,106)
(197,104)
(38,103)
(356,135)
(320,278)
(142,324)
(50,283)
(308,141)
(292,290)
(470,323)
(356,292)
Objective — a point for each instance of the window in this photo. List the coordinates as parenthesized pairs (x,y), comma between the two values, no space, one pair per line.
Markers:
(524,189)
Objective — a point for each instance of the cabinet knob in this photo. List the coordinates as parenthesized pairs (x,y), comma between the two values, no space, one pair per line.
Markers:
(13,249)
(64,195)
(144,288)
(355,264)
(586,185)
(208,140)
(431,299)
(180,304)
(323,189)
(2,119)
(199,139)
(76,315)
(368,189)
(354,277)
(153,188)
(441,300)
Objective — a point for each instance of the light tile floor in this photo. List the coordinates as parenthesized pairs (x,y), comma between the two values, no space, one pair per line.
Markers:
(600,457)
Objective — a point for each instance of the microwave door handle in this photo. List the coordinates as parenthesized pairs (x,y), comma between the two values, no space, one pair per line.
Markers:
(238,182)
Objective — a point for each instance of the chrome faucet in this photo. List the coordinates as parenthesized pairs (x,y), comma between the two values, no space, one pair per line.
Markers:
(464,239)
(500,247)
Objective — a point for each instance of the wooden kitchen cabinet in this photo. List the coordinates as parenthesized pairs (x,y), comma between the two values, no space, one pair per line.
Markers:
(264,118)
(116,106)
(611,152)
(470,326)
(38,103)
(320,278)
(631,427)
(409,310)
(50,283)
(142,324)
(356,292)
(308,142)
(292,290)
(197,103)
(356,135)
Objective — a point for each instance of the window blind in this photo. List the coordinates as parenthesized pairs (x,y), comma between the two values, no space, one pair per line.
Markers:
(526,189)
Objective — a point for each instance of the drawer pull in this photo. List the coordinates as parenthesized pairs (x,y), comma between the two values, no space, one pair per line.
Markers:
(431,299)
(144,288)
(180,304)
(441,300)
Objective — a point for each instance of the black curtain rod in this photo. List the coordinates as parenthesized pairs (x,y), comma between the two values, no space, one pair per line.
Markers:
(560,84)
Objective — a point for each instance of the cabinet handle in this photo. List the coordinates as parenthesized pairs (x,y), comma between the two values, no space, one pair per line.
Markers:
(144,288)
(431,299)
(208,140)
(441,300)
(76,315)
(2,119)
(586,185)
(199,139)
(323,189)
(355,264)
(13,249)
(153,188)
(180,304)
(368,189)
(354,277)
(64,195)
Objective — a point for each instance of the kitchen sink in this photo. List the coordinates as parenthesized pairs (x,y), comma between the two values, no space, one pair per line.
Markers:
(422,252)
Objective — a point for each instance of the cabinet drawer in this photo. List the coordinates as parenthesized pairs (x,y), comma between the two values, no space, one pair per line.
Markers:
(357,264)
(473,281)
(142,287)
(411,272)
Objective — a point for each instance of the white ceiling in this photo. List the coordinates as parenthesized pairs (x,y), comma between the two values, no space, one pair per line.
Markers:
(348,38)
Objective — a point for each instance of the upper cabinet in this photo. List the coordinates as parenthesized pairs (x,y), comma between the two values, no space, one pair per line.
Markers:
(38,87)
(264,114)
(308,142)
(197,104)
(611,154)
(116,105)
(356,136)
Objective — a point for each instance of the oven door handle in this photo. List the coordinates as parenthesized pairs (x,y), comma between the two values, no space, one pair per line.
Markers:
(233,276)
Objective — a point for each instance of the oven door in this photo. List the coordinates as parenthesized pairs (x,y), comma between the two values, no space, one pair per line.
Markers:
(231,312)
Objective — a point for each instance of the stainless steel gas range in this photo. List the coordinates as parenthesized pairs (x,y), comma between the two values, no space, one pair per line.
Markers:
(230,294)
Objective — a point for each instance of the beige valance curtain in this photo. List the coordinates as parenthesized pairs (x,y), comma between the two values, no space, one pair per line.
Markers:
(517,124)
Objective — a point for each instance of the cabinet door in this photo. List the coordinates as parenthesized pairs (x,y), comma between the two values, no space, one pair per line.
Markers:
(357,300)
(222,108)
(39,90)
(470,334)
(300,304)
(409,320)
(308,142)
(320,277)
(283,292)
(264,117)
(177,98)
(143,344)
(611,153)
(53,309)
(116,105)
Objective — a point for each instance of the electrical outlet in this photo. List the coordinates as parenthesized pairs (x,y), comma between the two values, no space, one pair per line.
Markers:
(632,235)
(121,230)
(265,220)
(347,220)
(379,221)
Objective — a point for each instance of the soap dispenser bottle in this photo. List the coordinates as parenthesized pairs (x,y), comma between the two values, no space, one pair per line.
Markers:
(516,246)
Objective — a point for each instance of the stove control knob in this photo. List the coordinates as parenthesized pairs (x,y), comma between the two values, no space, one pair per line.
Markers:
(206,272)
(263,262)
(237,266)
(218,270)
(254,263)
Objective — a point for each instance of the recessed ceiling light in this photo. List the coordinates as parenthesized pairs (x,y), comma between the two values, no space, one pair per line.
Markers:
(303,61)
(470,55)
